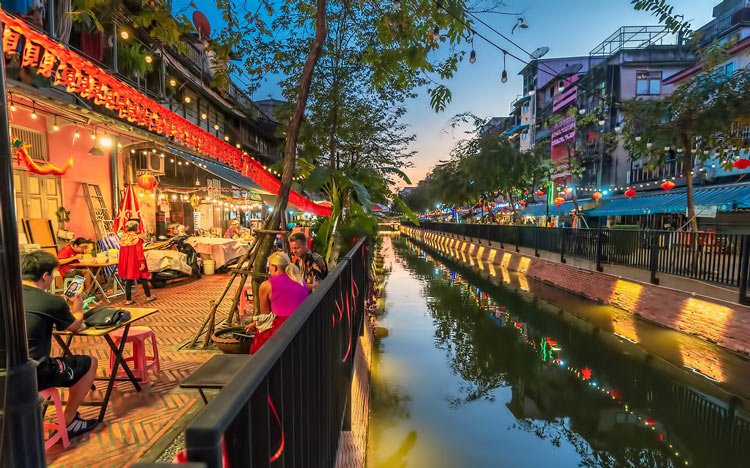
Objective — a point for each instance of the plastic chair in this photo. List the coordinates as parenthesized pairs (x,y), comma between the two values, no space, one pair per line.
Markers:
(141,362)
(61,431)
(246,305)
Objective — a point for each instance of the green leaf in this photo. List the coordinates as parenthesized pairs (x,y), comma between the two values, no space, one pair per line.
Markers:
(317,178)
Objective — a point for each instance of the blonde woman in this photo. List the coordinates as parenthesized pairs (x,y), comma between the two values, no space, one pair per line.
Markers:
(279,297)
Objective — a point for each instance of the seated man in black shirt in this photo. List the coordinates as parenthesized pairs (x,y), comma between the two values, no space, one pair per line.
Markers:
(43,311)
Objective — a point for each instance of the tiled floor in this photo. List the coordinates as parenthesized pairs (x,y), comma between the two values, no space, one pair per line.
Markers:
(135,421)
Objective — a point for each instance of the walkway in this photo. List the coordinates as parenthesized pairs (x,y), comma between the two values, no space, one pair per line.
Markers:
(136,421)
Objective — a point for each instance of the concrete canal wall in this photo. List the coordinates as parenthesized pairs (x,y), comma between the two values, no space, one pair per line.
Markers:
(696,309)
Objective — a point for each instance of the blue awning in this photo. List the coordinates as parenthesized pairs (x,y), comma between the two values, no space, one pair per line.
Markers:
(516,128)
(224,172)
(723,197)
(540,209)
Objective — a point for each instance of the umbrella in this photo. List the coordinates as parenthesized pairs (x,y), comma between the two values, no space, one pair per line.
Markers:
(129,210)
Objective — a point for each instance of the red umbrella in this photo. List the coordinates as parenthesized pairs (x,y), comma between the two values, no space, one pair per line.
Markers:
(130,209)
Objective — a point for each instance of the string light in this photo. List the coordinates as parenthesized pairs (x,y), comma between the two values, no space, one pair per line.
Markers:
(54,125)
(33,111)
(149,59)
(172,82)
(504,75)
(76,134)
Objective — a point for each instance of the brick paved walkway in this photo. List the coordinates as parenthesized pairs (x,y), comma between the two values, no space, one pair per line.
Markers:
(135,421)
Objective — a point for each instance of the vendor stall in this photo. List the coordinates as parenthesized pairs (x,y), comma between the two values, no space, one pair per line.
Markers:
(220,250)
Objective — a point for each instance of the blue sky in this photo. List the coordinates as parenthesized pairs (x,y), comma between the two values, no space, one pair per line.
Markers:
(567,28)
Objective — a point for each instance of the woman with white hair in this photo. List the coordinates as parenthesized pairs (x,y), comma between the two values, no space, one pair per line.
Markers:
(279,297)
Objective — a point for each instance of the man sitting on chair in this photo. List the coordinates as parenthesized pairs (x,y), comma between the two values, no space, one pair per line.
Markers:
(43,311)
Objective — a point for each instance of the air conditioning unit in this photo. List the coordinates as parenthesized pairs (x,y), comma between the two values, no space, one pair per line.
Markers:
(154,164)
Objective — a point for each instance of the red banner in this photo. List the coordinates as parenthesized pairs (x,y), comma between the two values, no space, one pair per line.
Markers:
(82,77)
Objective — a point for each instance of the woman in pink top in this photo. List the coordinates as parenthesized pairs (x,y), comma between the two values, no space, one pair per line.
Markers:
(279,297)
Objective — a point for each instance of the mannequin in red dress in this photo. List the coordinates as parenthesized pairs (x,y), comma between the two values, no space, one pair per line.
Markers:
(132,265)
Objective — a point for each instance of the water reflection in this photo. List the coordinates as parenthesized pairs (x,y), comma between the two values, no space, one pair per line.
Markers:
(532,386)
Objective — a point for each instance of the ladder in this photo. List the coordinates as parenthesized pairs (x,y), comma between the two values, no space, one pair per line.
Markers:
(100,216)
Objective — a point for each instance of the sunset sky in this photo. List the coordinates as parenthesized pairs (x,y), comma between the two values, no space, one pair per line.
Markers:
(569,28)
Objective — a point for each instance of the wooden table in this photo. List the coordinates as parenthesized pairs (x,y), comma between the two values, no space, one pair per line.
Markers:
(95,268)
(64,338)
(215,373)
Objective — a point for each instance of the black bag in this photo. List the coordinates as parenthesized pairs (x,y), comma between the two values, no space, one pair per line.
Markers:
(105,317)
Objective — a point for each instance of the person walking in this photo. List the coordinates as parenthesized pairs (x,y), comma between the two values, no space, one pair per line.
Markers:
(132,265)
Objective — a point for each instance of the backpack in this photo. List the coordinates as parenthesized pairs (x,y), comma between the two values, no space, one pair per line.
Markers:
(105,317)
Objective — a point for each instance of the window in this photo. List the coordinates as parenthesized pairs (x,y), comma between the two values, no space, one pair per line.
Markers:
(524,135)
(552,92)
(647,83)
(561,86)
(525,107)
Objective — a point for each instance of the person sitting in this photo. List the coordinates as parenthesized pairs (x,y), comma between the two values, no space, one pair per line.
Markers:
(43,311)
(234,230)
(132,266)
(279,297)
(313,267)
(75,249)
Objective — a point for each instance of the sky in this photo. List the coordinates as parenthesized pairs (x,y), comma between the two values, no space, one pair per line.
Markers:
(570,28)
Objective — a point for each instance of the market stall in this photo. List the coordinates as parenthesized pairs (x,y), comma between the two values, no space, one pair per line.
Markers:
(220,250)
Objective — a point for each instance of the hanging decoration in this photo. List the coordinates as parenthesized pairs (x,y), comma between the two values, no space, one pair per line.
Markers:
(667,186)
(567,190)
(129,209)
(558,201)
(195,202)
(596,195)
(522,203)
(630,193)
(147,182)
(540,193)
(80,76)
(46,169)
(741,164)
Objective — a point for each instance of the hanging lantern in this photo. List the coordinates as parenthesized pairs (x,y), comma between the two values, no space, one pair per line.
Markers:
(522,203)
(741,164)
(649,421)
(567,190)
(558,201)
(586,373)
(540,193)
(630,193)
(147,182)
(596,195)
(668,185)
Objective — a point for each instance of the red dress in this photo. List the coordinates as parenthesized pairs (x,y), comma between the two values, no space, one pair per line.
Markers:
(260,338)
(65,252)
(131,258)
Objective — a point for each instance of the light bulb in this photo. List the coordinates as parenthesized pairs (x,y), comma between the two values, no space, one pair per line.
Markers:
(203,116)
(226,137)
(216,127)
(55,127)
(504,77)
(473,57)
(602,122)
(93,136)
(33,114)
(581,111)
(105,141)
(12,107)
(187,99)
(649,145)
(172,82)
(638,138)
(238,145)
(149,59)
(124,34)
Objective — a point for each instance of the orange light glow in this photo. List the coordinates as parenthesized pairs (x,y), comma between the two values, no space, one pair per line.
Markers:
(695,313)
(626,295)
(624,325)
(493,254)
(702,359)
(523,282)
(506,260)
(523,265)
(480,252)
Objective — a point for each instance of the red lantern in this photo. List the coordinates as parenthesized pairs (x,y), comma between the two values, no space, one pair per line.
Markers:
(567,190)
(649,421)
(558,201)
(630,193)
(741,164)
(597,195)
(586,374)
(668,185)
(540,193)
(522,203)
(147,182)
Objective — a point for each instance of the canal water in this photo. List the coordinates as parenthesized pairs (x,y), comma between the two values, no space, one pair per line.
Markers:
(483,367)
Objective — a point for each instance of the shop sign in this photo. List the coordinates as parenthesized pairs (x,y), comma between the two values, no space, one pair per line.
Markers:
(704,211)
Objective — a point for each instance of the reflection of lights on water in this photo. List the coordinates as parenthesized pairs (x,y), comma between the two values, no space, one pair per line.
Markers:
(696,371)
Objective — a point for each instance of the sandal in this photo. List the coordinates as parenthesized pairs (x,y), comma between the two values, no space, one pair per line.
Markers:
(150,299)
(129,303)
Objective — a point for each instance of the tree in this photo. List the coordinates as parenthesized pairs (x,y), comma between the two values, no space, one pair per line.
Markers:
(700,120)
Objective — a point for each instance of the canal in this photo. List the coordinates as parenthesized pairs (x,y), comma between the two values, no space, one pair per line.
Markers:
(483,367)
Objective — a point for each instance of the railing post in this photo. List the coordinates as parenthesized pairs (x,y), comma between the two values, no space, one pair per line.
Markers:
(599,250)
(515,229)
(562,244)
(744,266)
(536,240)
(654,257)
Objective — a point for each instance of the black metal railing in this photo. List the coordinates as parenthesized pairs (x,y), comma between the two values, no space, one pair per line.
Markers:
(289,404)
(717,258)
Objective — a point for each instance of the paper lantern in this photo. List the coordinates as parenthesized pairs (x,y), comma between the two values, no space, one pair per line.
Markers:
(540,193)
(586,374)
(668,185)
(558,201)
(742,163)
(630,193)
(147,182)
(522,203)
(597,195)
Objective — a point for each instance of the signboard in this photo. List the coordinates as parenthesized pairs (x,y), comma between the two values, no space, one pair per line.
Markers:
(704,211)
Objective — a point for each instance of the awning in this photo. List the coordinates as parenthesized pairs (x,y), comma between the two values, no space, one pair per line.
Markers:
(540,209)
(723,197)
(516,128)
(226,173)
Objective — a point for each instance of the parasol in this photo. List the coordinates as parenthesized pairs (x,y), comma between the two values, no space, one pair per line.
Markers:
(129,209)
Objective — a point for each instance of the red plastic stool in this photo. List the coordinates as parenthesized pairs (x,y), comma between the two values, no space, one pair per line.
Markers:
(245,306)
(141,362)
(61,432)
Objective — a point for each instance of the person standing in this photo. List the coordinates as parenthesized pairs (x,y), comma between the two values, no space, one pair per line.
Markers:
(132,265)
(313,267)
(43,312)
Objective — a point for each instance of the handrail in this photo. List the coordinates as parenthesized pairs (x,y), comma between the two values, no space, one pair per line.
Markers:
(230,411)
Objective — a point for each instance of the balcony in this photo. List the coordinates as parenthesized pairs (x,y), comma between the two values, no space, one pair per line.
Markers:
(721,26)
(644,175)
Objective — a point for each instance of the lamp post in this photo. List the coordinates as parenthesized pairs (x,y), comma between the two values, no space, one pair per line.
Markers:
(22,439)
